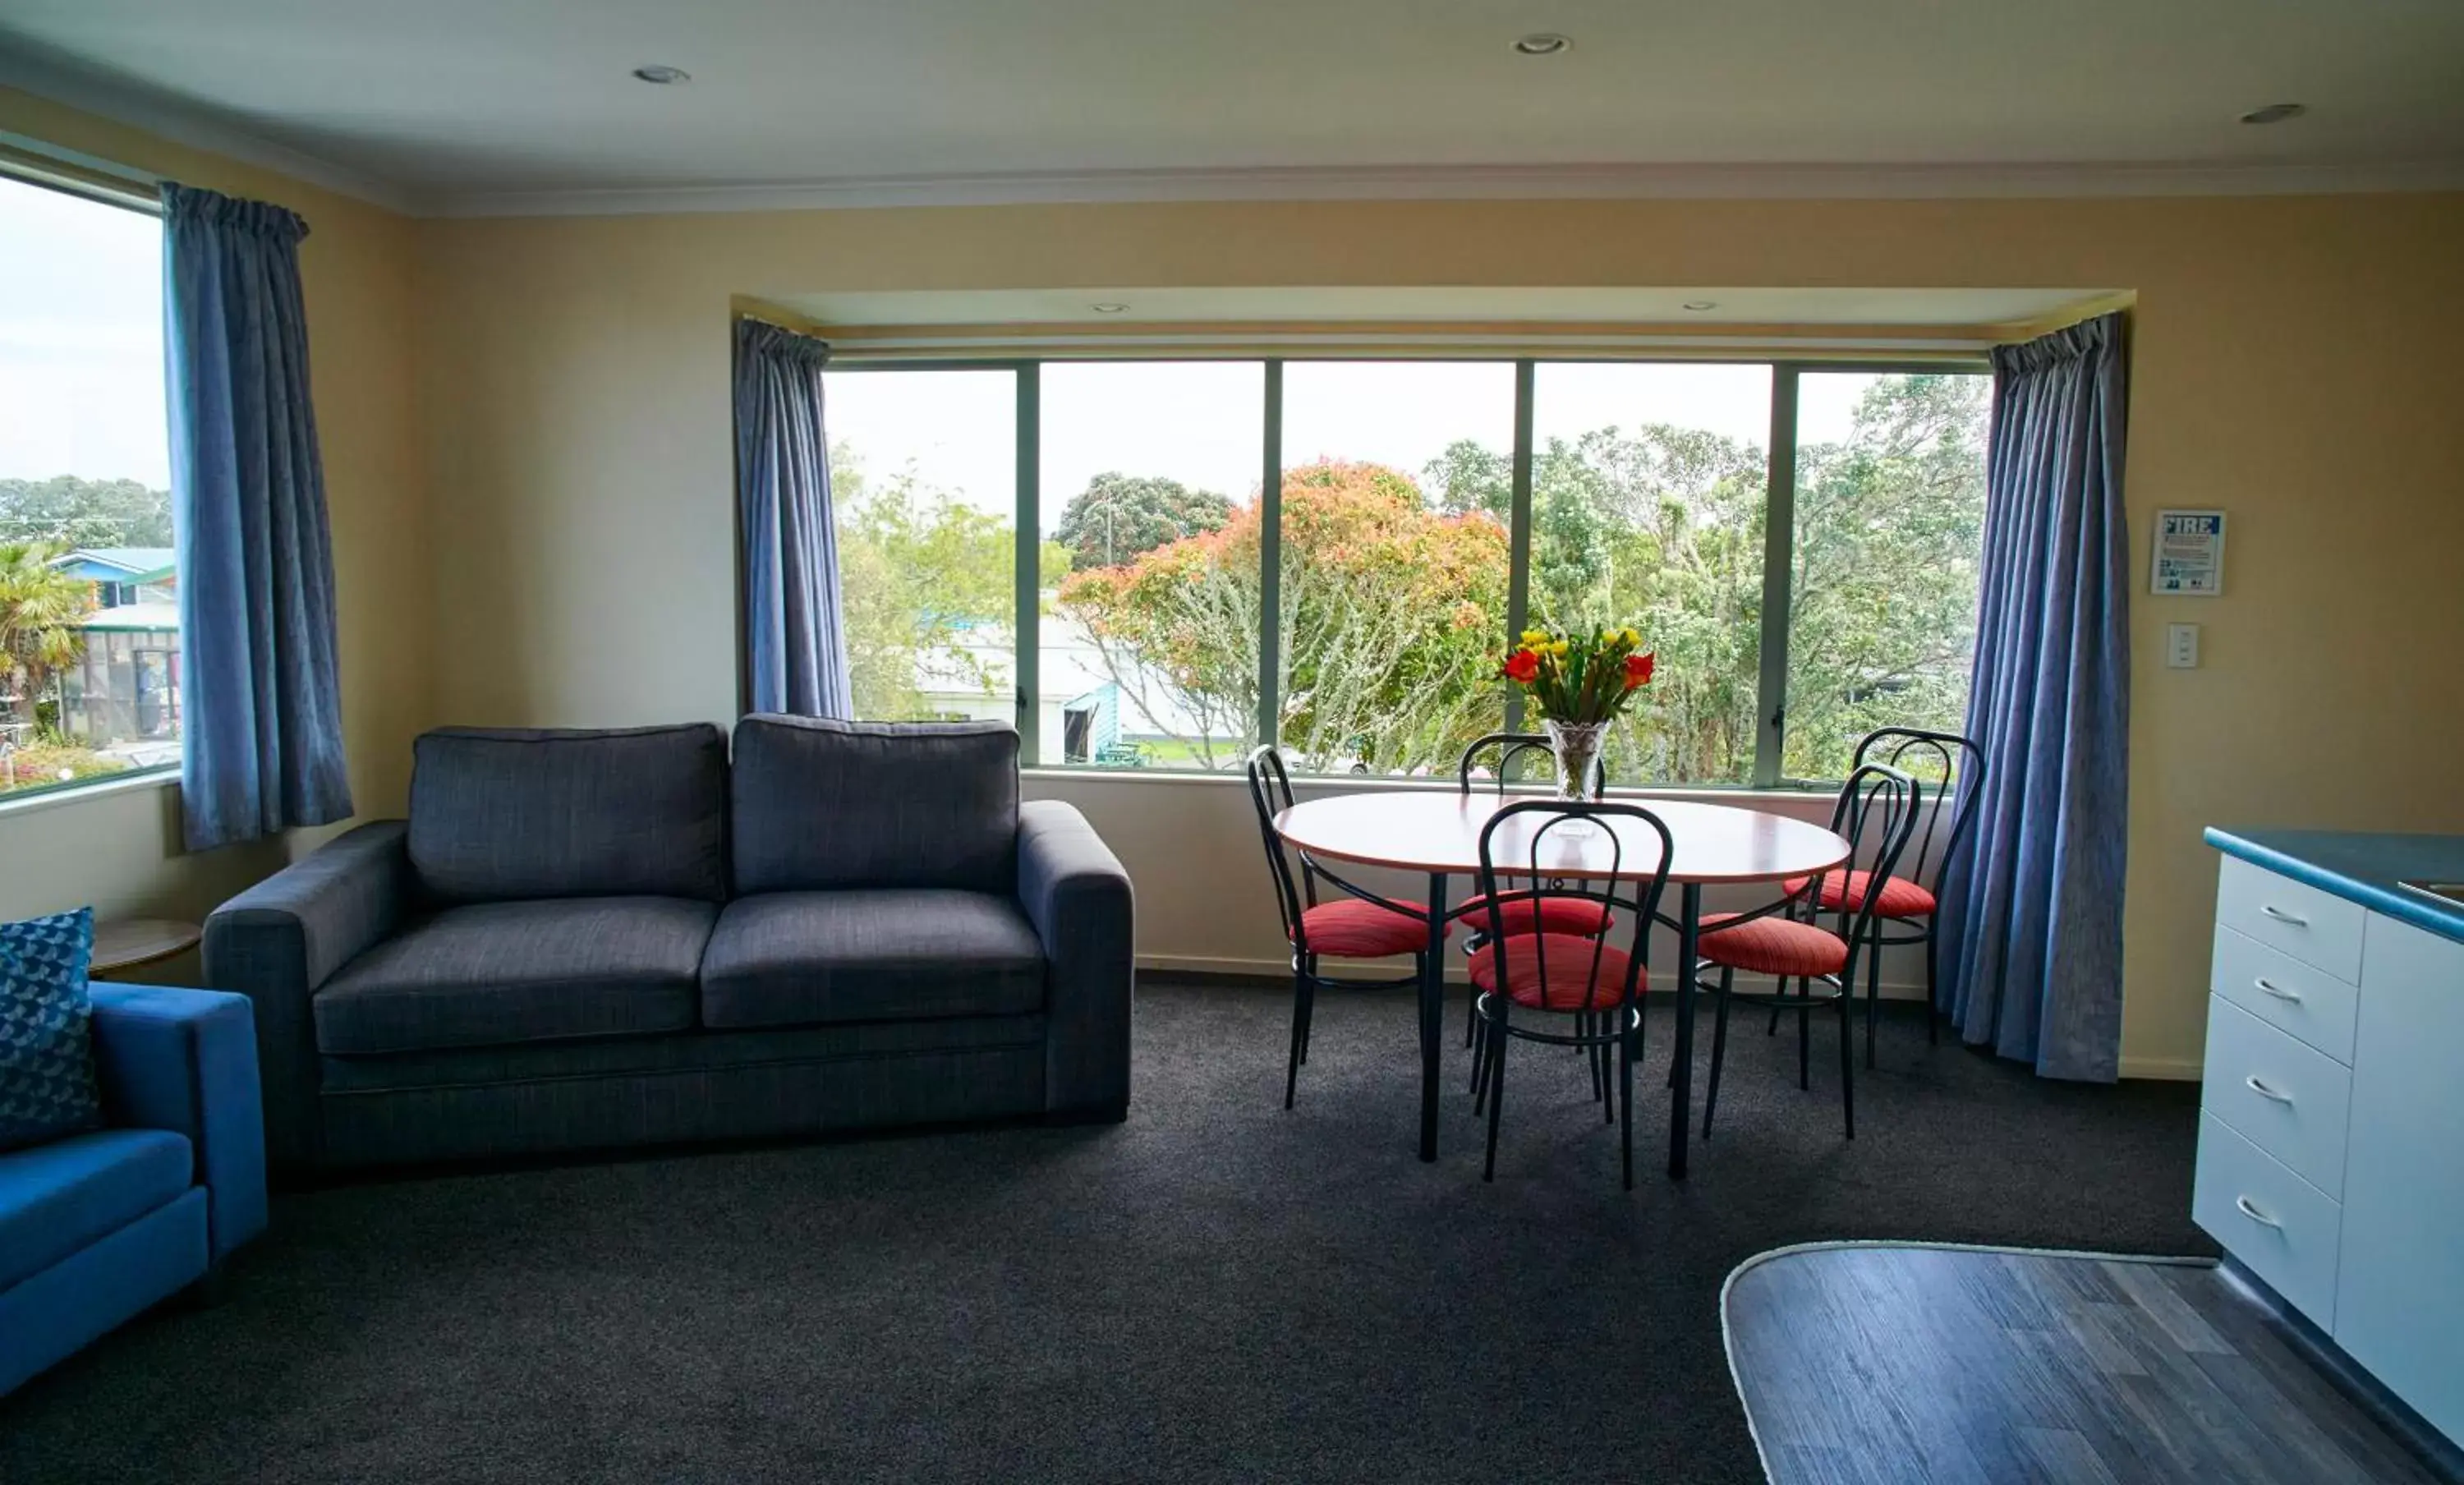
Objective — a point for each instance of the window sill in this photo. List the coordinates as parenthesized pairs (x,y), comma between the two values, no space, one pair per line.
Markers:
(1379,783)
(29,801)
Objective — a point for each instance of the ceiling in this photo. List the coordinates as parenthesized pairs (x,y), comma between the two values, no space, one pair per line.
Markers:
(527,104)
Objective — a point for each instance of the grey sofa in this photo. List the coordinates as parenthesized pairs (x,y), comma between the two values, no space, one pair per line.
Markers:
(593,939)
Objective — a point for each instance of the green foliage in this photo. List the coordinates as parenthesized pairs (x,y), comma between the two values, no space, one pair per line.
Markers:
(1391,615)
(40,607)
(68,512)
(926,586)
(42,765)
(1119,517)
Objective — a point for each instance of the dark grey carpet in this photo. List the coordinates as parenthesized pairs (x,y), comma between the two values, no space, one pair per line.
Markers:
(1216,1290)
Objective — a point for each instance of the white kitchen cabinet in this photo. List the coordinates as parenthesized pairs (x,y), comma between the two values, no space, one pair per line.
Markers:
(2399,1305)
(2331,1136)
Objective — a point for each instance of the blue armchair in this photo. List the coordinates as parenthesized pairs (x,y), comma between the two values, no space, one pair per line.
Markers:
(99,1226)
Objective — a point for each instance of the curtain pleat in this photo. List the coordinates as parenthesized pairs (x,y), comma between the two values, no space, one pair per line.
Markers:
(259,686)
(795,645)
(2030,915)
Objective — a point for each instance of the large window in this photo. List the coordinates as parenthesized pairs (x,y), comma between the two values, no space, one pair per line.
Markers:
(1890,518)
(924,481)
(89,609)
(1332,553)
(1150,484)
(1393,560)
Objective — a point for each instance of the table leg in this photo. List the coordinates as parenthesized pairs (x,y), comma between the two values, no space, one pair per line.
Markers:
(1433,1014)
(1689,928)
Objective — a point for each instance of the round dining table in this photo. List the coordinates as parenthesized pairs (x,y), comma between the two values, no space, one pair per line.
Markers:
(1438,834)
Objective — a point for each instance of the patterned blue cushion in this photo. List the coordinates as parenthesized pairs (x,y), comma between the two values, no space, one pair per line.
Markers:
(47,1087)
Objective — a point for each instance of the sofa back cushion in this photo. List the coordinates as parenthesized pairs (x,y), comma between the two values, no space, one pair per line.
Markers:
(820,805)
(498,815)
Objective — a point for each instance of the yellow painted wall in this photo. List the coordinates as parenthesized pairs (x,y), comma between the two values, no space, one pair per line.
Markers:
(2295,363)
(120,851)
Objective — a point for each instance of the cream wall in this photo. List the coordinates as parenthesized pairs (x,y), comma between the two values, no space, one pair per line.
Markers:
(2293,363)
(120,850)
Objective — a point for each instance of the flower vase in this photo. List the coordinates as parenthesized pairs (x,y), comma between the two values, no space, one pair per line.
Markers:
(1578,746)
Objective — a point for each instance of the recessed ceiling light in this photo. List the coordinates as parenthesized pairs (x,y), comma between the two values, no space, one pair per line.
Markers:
(2274,113)
(1697,307)
(662,74)
(1542,43)
(1107,309)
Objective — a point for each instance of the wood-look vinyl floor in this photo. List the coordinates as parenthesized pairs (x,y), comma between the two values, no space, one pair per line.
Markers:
(1886,1366)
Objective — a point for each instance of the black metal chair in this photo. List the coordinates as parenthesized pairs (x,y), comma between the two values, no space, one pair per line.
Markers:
(1953,768)
(1555,914)
(1351,924)
(1597,986)
(1878,806)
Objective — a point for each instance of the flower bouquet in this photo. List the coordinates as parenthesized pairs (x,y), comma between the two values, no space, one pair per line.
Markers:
(1578,683)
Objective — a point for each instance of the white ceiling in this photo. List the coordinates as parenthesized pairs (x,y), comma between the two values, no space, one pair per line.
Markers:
(468,104)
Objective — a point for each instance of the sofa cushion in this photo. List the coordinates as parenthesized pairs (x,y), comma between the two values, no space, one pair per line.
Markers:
(496,973)
(820,805)
(59,1198)
(47,1087)
(497,815)
(891,954)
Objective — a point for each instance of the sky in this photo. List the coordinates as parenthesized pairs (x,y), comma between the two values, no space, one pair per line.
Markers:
(81,339)
(1201,422)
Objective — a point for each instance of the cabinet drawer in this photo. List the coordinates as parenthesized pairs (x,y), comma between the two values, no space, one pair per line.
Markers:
(2292,997)
(2318,928)
(2289,1099)
(2283,1227)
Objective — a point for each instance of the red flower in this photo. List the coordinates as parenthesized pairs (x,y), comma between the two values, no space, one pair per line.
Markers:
(1522,666)
(1637,670)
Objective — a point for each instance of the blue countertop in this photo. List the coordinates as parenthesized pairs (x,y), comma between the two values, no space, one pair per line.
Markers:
(2361,867)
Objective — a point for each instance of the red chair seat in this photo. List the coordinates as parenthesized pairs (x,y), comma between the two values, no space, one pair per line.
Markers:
(1772,945)
(1353,928)
(1583,973)
(1582,917)
(1900,897)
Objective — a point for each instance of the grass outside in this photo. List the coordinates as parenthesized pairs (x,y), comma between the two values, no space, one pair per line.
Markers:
(50,765)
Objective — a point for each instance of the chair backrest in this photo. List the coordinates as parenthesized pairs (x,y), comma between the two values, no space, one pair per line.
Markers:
(1877,813)
(1958,767)
(1510,746)
(1271,790)
(1515,869)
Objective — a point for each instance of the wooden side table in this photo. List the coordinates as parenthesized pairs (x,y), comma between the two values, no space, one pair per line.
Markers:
(134,942)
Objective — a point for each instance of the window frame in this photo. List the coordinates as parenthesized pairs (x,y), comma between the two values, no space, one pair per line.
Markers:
(96,182)
(1779,522)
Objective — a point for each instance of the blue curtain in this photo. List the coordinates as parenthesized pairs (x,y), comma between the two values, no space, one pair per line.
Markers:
(260,698)
(795,645)
(2031,903)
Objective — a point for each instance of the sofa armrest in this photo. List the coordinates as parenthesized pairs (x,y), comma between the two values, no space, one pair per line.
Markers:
(1078,898)
(281,939)
(186,1061)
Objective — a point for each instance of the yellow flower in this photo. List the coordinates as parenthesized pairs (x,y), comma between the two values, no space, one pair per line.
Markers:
(1631,638)
(1558,649)
(1536,639)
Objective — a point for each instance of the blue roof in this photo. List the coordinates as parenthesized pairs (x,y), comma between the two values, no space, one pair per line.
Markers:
(118,564)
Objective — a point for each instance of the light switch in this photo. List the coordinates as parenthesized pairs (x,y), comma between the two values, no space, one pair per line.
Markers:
(2182,646)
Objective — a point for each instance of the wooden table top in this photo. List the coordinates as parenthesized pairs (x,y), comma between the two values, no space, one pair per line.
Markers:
(1426,831)
(124,944)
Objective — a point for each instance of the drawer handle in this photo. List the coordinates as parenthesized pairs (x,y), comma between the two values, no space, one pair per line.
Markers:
(2268,986)
(2252,1083)
(2283,917)
(2242,1204)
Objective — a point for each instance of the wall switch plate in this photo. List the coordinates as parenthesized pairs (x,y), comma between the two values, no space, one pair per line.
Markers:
(2182,646)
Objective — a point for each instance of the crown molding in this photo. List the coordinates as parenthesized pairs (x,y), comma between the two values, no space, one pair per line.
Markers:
(89,92)
(1499,183)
